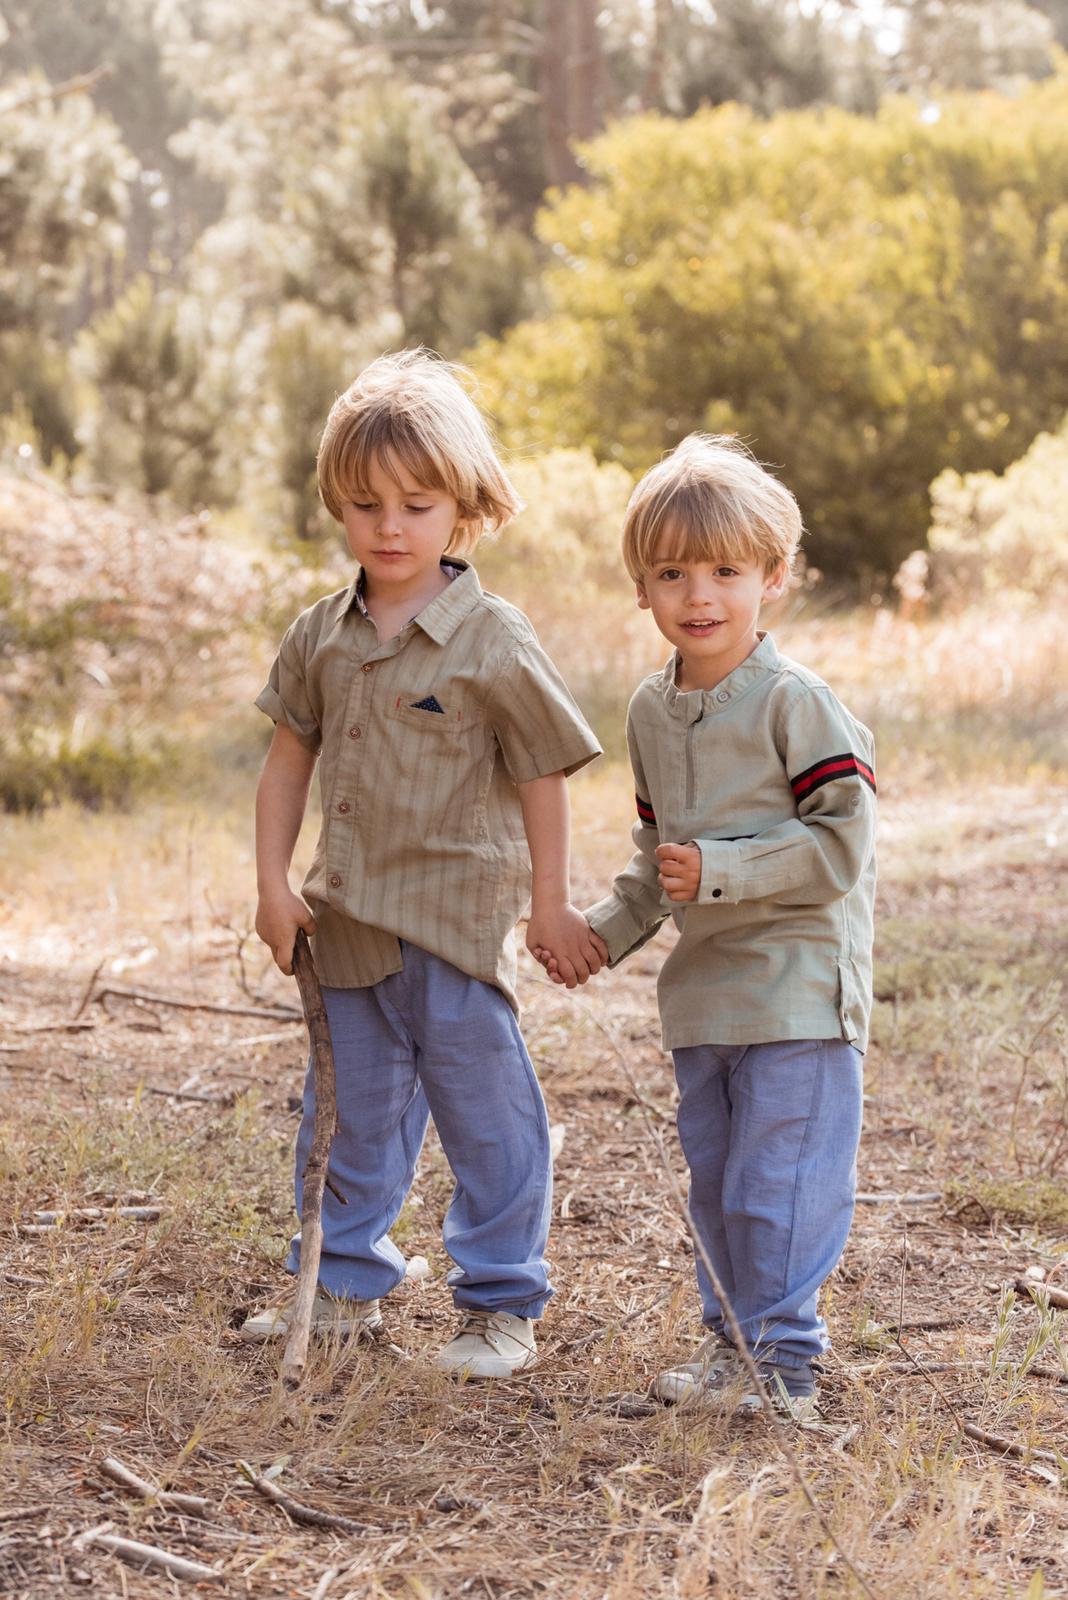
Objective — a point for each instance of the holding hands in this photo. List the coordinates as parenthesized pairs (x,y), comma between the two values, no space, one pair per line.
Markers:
(565,945)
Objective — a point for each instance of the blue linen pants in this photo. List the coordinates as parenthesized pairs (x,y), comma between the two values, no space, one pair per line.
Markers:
(431,1041)
(770,1134)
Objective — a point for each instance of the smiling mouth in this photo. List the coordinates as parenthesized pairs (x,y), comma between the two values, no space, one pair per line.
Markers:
(702,629)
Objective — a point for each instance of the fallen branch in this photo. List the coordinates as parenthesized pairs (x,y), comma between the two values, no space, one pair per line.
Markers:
(275,1014)
(295,1508)
(98,1213)
(1028,1286)
(898,1199)
(24,1511)
(145,1555)
(315,1173)
(1007,1447)
(192,1505)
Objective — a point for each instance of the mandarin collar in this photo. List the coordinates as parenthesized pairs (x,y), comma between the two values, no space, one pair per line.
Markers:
(690,705)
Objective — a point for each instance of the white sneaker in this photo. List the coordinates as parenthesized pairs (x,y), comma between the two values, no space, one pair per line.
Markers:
(716,1367)
(348,1319)
(489,1344)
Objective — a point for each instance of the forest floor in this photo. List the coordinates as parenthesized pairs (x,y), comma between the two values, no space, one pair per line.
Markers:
(118,1336)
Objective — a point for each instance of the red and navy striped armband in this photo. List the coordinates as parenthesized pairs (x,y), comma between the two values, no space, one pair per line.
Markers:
(646,814)
(827,771)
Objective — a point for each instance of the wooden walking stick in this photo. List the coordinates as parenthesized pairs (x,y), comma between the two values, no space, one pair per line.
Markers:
(311,1210)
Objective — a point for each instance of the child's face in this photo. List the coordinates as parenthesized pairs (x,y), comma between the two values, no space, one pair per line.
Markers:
(399,530)
(708,610)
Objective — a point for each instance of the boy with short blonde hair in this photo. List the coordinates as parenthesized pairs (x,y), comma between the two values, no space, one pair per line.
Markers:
(755,795)
(444,736)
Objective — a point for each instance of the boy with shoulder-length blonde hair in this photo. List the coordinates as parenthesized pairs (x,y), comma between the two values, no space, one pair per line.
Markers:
(444,736)
(755,795)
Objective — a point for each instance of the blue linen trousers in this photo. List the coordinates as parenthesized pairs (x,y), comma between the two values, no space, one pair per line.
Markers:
(770,1134)
(432,1041)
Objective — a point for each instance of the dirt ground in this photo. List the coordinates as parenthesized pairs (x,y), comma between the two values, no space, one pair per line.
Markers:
(118,1335)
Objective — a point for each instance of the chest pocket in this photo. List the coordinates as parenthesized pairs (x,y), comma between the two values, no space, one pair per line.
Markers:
(426,714)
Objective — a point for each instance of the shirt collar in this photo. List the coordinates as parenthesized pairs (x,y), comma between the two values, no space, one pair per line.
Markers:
(691,704)
(440,619)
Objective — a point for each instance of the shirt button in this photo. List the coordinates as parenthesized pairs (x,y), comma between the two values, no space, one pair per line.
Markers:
(715,893)
(368,666)
(355,731)
(335,881)
(723,696)
(343,805)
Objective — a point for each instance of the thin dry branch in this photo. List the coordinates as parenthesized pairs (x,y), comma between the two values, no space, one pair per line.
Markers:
(299,1512)
(193,1505)
(315,1173)
(280,1013)
(145,1555)
(1058,1298)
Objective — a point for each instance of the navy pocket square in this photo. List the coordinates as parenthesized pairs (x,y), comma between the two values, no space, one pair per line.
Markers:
(429,704)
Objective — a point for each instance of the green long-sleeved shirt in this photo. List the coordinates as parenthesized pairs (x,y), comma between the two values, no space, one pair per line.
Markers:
(772,777)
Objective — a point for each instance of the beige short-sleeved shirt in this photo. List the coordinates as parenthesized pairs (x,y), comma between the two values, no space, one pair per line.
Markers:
(422,741)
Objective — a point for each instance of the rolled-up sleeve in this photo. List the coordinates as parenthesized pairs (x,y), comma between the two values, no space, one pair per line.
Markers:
(284,697)
(535,719)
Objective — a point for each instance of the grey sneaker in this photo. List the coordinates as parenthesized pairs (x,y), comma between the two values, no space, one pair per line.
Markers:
(348,1319)
(489,1344)
(719,1377)
(715,1369)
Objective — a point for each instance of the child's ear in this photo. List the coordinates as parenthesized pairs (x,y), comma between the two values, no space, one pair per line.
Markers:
(775,582)
(643,598)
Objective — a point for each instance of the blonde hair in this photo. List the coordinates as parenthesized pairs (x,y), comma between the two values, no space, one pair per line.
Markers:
(713,501)
(410,411)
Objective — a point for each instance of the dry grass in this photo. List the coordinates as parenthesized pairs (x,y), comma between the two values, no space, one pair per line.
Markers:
(121,1341)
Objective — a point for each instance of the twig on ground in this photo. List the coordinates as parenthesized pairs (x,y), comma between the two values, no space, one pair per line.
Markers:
(97,1213)
(1058,1298)
(193,1505)
(898,1199)
(1007,1447)
(88,993)
(311,1210)
(18,1512)
(280,1013)
(224,1097)
(146,1555)
(603,1331)
(299,1512)
(320,1590)
(69,1026)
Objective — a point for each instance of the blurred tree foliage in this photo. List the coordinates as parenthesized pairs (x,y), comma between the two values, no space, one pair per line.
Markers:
(63,183)
(867,300)
(231,206)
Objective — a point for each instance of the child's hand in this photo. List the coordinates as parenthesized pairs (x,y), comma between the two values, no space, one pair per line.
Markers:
(680,870)
(565,945)
(278,916)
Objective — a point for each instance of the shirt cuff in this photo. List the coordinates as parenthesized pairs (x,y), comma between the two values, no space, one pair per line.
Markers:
(567,758)
(270,702)
(720,872)
(621,932)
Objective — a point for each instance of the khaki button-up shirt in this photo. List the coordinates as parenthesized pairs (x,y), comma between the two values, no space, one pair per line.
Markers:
(772,778)
(422,740)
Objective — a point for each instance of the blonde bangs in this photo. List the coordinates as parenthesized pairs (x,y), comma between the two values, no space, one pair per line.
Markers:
(409,414)
(710,500)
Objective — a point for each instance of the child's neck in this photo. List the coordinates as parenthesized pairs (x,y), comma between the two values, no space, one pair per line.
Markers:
(392,606)
(695,674)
